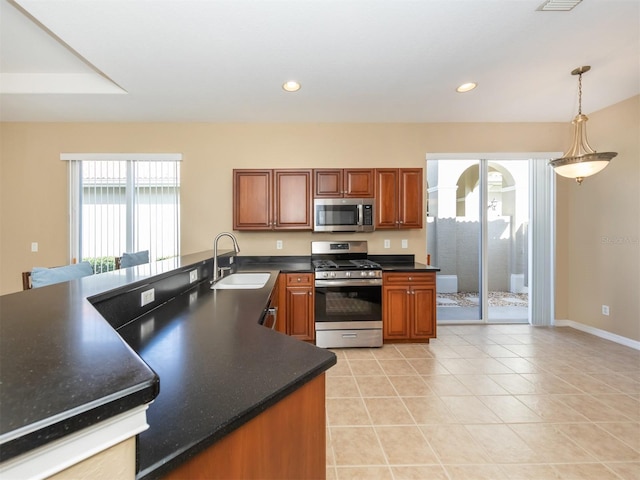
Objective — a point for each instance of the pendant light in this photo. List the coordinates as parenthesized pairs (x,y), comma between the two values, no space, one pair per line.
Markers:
(581,160)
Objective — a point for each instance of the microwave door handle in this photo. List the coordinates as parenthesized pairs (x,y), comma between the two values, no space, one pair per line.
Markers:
(360,214)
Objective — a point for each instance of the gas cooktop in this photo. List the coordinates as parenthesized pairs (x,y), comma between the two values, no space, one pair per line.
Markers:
(342,259)
(357,264)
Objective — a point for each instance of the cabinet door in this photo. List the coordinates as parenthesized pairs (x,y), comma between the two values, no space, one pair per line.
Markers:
(327,183)
(424,318)
(395,313)
(292,200)
(359,183)
(300,312)
(410,199)
(252,199)
(386,198)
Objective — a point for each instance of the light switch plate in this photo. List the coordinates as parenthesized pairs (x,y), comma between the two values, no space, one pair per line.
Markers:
(405,243)
(387,243)
(34,246)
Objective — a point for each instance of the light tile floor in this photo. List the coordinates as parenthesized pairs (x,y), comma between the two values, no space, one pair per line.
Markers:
(486,402)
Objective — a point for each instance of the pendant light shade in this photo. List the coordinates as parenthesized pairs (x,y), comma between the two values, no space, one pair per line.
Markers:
(581,160)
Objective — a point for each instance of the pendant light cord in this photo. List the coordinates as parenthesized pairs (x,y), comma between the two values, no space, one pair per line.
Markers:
(580,94)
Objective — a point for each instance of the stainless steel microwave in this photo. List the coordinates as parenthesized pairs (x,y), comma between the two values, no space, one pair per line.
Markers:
(343,215)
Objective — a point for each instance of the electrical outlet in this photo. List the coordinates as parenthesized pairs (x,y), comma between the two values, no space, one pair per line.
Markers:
(34,246)
(279,244)
(605,310)
(387,243)
(193,276)
(405,243)
(147,297)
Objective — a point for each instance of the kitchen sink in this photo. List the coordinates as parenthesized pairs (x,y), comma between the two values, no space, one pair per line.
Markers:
(242,281)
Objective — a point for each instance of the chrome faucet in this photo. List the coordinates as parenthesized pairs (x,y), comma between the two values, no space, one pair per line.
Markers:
(236,248)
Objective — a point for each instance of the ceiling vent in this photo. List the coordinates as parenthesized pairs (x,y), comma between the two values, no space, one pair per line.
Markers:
(558,5)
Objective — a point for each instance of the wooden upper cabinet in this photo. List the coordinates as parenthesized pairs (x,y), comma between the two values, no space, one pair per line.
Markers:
(272,200)
(344,183)
(292,200)
(399,198)
(410,197)
(252,199)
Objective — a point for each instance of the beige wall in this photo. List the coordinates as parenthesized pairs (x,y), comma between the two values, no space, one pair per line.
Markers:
(33,180)
(599,229)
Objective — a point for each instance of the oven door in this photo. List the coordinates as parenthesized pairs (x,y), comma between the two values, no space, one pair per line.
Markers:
(347,301)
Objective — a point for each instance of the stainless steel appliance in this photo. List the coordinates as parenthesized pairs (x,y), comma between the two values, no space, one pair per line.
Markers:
(348,295)
(343,215)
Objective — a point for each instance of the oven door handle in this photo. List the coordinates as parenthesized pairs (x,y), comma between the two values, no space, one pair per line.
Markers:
(360,282)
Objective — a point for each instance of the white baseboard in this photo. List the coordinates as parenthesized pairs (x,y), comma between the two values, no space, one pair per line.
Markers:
(627,342)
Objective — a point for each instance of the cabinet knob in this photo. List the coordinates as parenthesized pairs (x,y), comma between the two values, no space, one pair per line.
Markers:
(299,279)
(309,293)
(401,222)
(411,279)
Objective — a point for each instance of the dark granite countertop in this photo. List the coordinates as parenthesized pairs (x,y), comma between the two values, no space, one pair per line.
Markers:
(64,367)
(293,264)
(218,367)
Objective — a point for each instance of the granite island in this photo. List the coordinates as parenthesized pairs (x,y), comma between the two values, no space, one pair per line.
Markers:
(76,354)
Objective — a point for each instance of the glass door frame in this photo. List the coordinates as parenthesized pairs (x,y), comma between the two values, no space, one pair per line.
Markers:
(541,271)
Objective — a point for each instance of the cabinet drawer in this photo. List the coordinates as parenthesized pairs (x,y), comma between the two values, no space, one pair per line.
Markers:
(408,278)
(299,279)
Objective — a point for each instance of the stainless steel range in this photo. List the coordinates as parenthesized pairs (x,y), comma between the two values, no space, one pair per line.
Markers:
(348,295)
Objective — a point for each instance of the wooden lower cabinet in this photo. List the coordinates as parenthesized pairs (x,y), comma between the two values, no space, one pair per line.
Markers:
(408,306)
(296,305)
(286,441)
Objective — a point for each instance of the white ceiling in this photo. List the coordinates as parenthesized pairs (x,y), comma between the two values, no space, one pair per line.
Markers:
(357,60)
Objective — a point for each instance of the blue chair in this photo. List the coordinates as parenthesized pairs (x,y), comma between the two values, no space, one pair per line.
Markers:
(41,276)
(132,259)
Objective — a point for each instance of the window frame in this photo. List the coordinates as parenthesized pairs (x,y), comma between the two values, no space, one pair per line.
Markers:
(75,190)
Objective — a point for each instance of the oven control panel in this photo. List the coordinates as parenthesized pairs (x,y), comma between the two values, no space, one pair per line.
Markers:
(348,274)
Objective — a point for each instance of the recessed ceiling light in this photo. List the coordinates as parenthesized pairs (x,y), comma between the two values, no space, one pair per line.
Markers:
(558,5)
(291,86)
(466,87)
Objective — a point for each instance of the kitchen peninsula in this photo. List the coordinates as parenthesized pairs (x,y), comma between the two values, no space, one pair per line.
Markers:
(79,353)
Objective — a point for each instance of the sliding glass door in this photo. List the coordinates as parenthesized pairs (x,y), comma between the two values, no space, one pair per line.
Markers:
(478,235)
